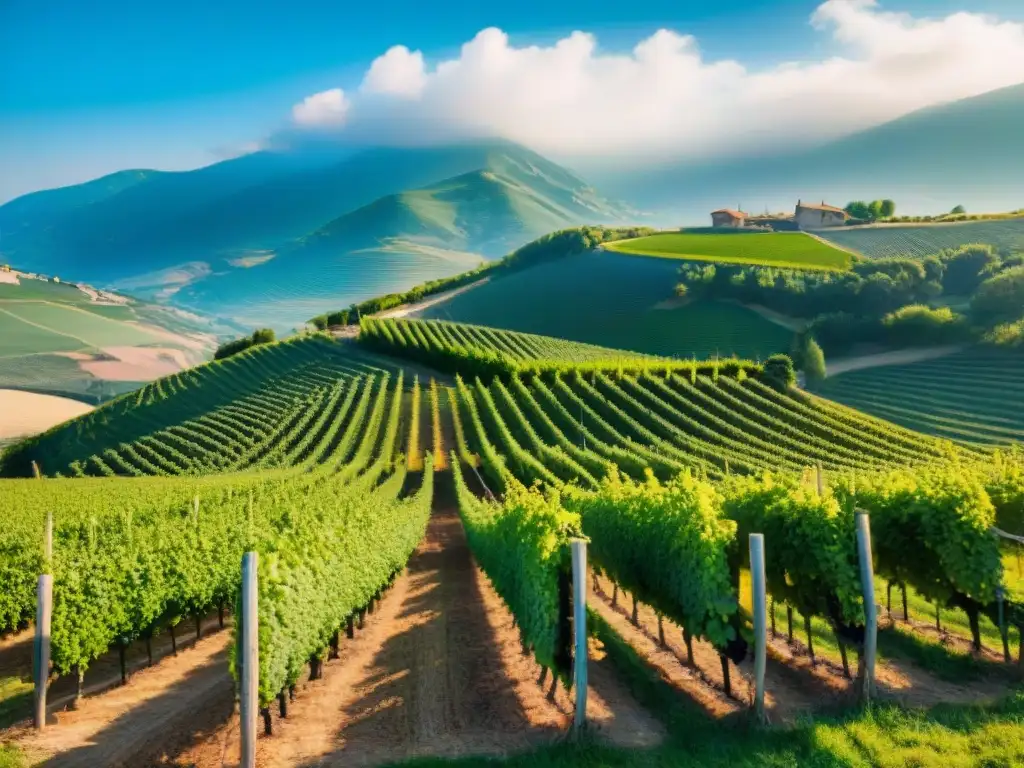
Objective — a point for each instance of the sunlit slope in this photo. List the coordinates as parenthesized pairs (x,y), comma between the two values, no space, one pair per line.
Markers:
(973,397)
(916,240)
(614,300)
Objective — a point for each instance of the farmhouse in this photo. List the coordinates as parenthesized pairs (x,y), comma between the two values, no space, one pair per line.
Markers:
(811,216)
(726,217)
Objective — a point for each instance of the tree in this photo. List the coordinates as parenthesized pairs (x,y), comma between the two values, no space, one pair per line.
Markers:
(959,209)
(1000,297)
(875,209)
(965,267)
(888,208)
(814,361)
(858,209)
(778,372)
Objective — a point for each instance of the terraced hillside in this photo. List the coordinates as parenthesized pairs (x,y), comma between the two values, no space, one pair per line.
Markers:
(614,300)
(976,396)
(321,456)
(916,240)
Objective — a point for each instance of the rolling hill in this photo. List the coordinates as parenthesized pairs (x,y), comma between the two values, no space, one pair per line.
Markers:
(965,152)
(251,233)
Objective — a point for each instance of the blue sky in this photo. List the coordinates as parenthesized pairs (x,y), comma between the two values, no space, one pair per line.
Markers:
(91,87)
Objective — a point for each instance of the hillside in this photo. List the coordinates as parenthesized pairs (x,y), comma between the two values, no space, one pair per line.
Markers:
(391,217)
(401,240)
(615,300)
(61,339)
(965,152)
(401,552)
(917,240)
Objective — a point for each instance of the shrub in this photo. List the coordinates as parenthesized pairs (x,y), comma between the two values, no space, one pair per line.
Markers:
(1007,334)
(917,324)
(814,361)
(965,266)
(1000,297)
(320,322)
(778,372)
(261,336)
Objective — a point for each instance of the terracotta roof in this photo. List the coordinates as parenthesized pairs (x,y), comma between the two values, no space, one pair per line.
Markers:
(731,212)
(822,207)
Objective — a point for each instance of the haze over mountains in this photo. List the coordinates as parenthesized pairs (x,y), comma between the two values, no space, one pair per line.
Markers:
(275,237)
(966,152)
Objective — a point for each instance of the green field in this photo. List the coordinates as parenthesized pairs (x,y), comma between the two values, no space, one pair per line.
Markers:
(612,300)
(39,319)
(794,250)
(916,240)
(973,397)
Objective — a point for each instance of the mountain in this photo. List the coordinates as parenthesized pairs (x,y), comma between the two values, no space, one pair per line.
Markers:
(964,152)
(298,230)
(406,238)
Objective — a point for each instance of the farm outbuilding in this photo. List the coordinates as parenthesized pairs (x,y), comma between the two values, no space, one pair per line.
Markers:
(812,216)
(726,217)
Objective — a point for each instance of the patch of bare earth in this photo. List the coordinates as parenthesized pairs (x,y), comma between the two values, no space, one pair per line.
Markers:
(794,686)
(162,708)
(136,363)
(28,413)
(438,670)
(897,357)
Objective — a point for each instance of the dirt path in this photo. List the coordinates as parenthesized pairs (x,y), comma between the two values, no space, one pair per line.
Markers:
(407,310)
(897,357)
(438,670)
(170,704)
(794,687)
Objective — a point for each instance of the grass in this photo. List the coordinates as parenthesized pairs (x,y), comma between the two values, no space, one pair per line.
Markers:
(794,250)
(609,300)
(976,396)
(916,240)
(90,329)
(23,338)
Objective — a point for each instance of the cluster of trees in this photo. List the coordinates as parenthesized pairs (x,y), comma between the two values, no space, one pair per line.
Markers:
(882,301)
(876,209)
(261,336)
(556,245)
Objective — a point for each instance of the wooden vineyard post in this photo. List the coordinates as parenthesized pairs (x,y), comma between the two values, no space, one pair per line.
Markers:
(41,655)
(579,604)
(249,678)
(760,620)
(867,577)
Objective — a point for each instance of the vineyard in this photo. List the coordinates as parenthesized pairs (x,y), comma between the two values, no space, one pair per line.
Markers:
(919,240)
(973,397)
(330,459)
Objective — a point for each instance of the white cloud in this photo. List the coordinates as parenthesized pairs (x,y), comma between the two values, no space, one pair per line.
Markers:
(573,99)
(399,72)
(327,108)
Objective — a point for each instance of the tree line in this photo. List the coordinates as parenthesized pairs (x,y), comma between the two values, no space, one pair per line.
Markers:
(895,301)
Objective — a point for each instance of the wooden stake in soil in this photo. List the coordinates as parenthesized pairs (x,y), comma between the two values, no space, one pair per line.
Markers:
(174,640)
(789,623)
(867,580)
(249,678)
(579,623)
(41,649)
(635,618)
(661,631)
(121,648)
(760,630)
(906,611)
(772,610)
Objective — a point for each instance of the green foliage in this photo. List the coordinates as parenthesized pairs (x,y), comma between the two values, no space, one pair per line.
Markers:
(1006,334)
(778,371)
(486,352)
(967,267)
(810,547)
(1000,297)
(958,209)
(876,209)
(667,544)
(261,336)
(814,361)
(919,324)
(522,544)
